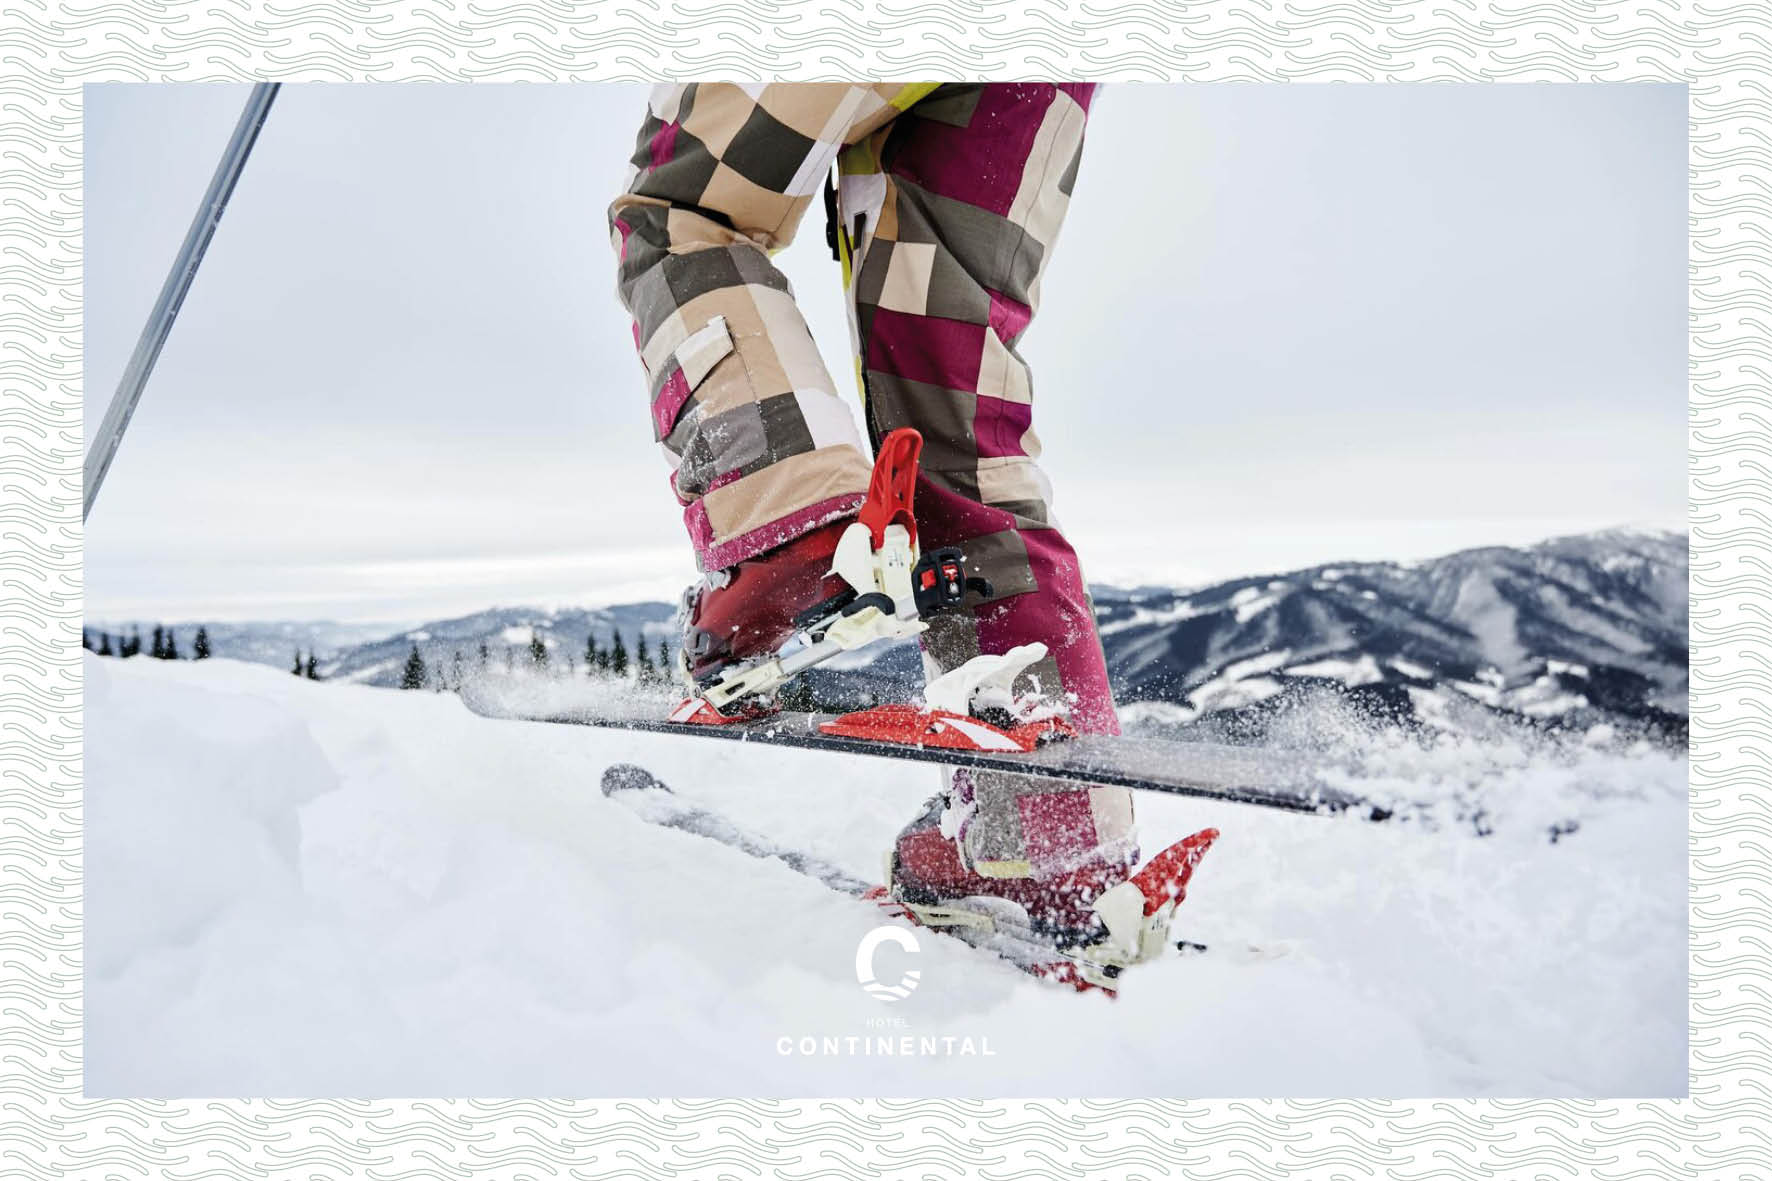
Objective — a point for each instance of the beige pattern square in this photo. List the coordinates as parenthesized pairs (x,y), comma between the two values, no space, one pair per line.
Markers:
(817,110)
(1001,374)
(767,218)
(716,115)
(795,350)
(1004,481)
(784,488)
(906,288)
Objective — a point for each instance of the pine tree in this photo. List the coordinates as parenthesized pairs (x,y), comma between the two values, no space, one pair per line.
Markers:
(643,659)
(510,658)
(413,676)
(485,654)
(538,651)
(312,670)
(591,655)
(104,643)
(297,669)
(135,642)
(455,669)
(170,651)
(200,646)
(158,651)
(86,639)
(666,670)
(618,657)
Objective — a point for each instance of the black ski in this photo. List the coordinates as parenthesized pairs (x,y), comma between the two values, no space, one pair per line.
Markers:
(653,801)
(1235,774)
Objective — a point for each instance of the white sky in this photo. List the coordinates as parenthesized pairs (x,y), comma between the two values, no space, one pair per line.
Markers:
(1285,324)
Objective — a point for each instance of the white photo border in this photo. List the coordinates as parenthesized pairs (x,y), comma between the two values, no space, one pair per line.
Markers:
(1722,52)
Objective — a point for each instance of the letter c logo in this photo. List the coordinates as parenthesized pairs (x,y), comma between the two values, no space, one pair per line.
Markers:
(864,963)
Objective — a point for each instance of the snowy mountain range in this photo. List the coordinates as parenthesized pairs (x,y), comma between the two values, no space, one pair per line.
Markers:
(507,633)
(1579,630)
(1572,632)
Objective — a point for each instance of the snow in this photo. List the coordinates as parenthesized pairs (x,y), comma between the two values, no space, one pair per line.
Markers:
(1412,670)
(1240,683)
(309,888)
(1252,601)
(1488,694)
(1154,715)
(1364,671)
(518,634)
(372,671)
(1222,693)
(1266,662)
(1544,698)
(1149,617)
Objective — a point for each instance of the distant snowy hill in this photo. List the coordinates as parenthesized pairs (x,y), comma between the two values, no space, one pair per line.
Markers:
(1572,633)
(1580,630)
(265,642)
(507,633)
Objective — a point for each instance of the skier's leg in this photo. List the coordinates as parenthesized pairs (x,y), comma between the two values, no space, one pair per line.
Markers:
(762,449)
(960,202)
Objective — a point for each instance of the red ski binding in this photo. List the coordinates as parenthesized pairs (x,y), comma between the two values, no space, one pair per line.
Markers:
(893,487)
(909,725)
(698,711)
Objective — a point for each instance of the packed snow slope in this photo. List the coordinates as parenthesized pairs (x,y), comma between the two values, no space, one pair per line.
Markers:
(301,888)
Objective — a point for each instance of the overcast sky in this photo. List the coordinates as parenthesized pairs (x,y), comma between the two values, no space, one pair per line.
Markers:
(1285,324)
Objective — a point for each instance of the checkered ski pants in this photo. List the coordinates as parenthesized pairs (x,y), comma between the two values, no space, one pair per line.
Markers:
(949,201)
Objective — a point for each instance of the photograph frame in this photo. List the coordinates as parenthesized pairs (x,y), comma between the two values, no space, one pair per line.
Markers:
(1720,58)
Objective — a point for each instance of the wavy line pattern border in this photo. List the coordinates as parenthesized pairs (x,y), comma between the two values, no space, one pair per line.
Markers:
(50,49)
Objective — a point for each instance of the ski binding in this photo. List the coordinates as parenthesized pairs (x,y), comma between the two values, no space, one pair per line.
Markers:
(892,586)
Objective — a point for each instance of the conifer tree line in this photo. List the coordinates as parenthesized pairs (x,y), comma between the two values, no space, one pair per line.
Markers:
(612,660)
(616,661)
(163,647)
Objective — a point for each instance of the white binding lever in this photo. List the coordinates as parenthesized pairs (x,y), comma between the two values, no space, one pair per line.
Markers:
(869,571)
(983,682)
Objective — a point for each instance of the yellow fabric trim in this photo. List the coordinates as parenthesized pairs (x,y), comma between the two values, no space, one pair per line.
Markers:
(1004,869)
(912,92)
(857,159)
(843,253)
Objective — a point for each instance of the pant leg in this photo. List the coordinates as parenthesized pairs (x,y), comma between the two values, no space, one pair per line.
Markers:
(960,201)
(761,447)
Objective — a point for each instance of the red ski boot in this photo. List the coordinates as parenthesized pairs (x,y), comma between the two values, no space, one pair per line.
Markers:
(754,626)
(753,607)
(1081,926)
(930,874)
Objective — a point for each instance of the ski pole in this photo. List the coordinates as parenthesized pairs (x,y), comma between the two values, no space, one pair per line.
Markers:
(172,292)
